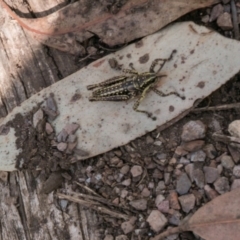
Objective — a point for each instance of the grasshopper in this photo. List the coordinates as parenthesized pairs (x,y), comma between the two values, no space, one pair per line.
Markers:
(125,87)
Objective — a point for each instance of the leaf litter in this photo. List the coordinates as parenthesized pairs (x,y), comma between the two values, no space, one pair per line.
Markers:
(75,23)
(107,125)
(223,221)
(218,219)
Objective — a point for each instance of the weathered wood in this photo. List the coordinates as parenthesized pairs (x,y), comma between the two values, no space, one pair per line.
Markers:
(26,67)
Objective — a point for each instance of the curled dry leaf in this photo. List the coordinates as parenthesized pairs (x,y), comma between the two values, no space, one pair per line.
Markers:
(64,29)
(203,62)
(218,219)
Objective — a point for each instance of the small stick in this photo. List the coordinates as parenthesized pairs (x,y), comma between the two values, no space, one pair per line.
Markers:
(99,199)
(225,139)
(87,189)
(217,108)
(94,205)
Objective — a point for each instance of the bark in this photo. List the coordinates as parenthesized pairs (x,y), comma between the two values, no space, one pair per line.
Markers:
(26,67)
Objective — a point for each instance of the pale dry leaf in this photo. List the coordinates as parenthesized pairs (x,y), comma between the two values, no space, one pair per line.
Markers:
(219,219)
(64,29)
(204,61)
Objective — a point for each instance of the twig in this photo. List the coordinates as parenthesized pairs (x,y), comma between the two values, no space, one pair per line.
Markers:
(235,20)
(94,205)
(99,199)
(87,189)
(217,108)
(225,139)
(84,58)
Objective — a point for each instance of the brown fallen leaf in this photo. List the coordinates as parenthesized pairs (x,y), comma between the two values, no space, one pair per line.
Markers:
(217,220)
(64,29)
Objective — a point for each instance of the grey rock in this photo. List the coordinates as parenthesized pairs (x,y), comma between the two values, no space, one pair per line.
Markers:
(189,170)
(199,177)
(71,128)
(236,171)
(224,21)
(157,220)
(216,11)
(235,184)
(187,202)
(222,185)
(108,237)
(175,219)
(136,171)
(193,146)
(183,184)
(37,117)
(210,151)
(127,227)
(227,162)
(211,193)
(121,237)
(193,130)
(198,156)
(211,174)
(140,204)
(234,128)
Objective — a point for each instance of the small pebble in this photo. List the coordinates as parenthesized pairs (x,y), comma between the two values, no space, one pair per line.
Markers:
(163,206)
(62,146)
(180,151)
(234,128)
(222,185)
(175,219)
(71,128)
(48,128)
(224,21)
(205,18)
(227,162)
(193,146)
(159,199)
(145,192)
(183,184)
(187,202)
(211,174)
(210,151)
(173,200)
(136,171)
(157,220)
(108,237)
(127,227)
(62,136)
(211,193)
(199,177)
(126,182)
(216,11)
(121,237)
(198,156)
(189,170)
(140,204)
(38,116)
(193,130)
(125,169)
(235,184)
(236,171)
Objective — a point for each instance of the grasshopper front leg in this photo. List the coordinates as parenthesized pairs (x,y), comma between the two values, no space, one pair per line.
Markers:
(160,93)
(139,100)
(164,60)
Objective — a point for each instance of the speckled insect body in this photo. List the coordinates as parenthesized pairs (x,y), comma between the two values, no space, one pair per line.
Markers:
(125,87)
